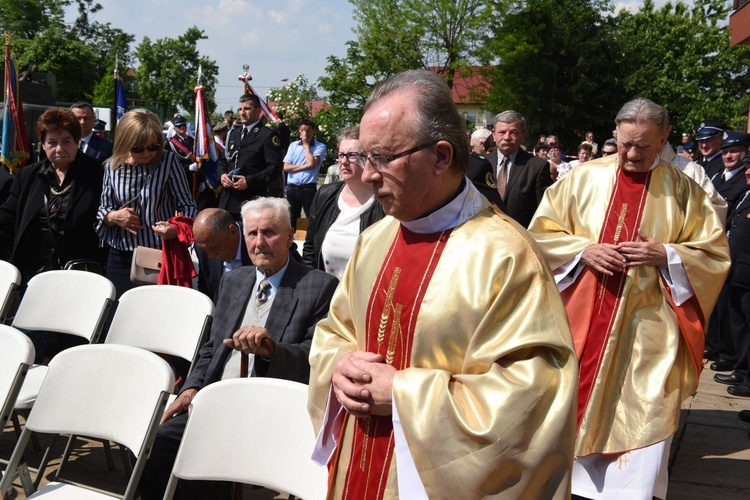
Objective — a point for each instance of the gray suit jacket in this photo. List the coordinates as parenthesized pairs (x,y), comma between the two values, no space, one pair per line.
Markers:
(303,299)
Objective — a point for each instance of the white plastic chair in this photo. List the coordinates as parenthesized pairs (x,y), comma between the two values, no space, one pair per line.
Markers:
(72,302)
(270,446)
(10,279)
(109,392)
(16,355)
(166,319)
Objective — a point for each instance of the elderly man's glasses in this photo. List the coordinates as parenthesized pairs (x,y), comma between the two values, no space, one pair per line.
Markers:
(151,149)
(380,162)
(351,157)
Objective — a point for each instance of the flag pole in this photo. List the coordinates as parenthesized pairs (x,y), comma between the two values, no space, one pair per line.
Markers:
(113,115)
(197,129)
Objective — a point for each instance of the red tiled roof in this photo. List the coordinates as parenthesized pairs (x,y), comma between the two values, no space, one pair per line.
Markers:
(469,85)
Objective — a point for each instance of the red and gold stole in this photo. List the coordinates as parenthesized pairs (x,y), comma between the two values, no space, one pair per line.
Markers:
(621,223)
(391,316)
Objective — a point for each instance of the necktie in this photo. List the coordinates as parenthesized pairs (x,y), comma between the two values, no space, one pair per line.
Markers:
(502,177)
(242,133)
(262,295)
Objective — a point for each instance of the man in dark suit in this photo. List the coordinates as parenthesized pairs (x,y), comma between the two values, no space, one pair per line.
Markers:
(518,179)
(220,248)
(253,158)
(267,311)
(731,184)
(709,136)
(91,144)
(738,284)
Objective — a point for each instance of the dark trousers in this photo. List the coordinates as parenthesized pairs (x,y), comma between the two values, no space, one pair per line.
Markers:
(739,314)
(118,270)
(300,197)
(159,466)
(720,330)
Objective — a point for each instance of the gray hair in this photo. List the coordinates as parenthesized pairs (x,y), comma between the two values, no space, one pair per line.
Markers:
(479,136)
(436,117)
(280,207)
(351,132)
(511,116)
(643,110)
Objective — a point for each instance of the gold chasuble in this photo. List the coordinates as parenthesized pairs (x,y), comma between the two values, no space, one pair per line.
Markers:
(639,350)
(486,380)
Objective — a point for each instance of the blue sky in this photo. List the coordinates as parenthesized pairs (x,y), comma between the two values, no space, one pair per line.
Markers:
(278,39)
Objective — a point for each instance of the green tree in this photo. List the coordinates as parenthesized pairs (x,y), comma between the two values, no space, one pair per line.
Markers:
(168,70)
(679,56)
(555,63)
(397,35)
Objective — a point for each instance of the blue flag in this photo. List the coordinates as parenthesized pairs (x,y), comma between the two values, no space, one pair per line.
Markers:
(122,107)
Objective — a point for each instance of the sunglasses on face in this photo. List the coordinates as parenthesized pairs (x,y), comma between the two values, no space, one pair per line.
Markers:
(151,149)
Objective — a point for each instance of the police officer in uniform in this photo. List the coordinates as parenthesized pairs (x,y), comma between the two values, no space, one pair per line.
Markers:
(738,282)
(252,160)
(709,137)
(182,144)
(730,184)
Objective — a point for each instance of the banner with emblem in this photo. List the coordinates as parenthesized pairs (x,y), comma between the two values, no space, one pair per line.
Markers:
(120,103)
(15,147)
(205,148)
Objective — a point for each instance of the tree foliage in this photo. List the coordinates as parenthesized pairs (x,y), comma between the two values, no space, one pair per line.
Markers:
(555,65)
(168,71)
(679,56)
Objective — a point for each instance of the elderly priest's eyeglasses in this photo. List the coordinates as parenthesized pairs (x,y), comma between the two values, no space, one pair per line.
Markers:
(380,162)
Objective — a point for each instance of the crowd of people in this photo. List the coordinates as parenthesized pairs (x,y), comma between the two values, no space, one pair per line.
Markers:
(472,318)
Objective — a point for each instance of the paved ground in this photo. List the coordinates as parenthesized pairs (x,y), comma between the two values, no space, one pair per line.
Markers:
(710,453)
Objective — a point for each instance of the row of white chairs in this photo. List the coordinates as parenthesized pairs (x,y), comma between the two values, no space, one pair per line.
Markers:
(110,376)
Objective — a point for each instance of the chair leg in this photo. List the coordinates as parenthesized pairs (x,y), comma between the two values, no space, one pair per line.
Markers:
(66,454)
(44,462)
(108,455)
(26,482)
(125,454)
(238,491)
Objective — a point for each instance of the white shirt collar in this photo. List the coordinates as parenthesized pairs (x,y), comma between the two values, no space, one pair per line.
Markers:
(462,208)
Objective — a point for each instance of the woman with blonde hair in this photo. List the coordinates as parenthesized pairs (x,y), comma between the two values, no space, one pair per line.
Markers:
(144,186)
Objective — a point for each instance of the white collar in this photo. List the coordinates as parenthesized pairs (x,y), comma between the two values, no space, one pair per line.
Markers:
(462,208)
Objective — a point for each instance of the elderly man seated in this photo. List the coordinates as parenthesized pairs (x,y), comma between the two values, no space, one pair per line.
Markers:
(267,311)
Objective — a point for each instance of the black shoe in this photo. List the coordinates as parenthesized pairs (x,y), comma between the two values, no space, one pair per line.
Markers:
(744,415)
(733,378)
(710,354)
(722,365)
(741,390)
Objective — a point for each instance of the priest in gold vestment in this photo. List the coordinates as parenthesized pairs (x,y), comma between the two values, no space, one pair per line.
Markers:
(639,255)
(445,368)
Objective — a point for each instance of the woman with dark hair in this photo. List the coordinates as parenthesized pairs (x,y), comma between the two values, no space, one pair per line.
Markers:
(340,211)
(143,188)
(48,218)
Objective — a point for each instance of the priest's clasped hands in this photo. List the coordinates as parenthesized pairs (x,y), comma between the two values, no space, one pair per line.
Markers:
(608,258)
(363,384)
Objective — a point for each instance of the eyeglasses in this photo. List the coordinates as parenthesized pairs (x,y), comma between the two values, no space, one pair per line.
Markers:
(350,157)
(605,153)
(151,149)
(380,162)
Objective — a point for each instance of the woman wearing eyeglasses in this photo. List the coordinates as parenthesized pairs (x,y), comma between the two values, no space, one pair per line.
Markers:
(49,215)
(340,211)
(143,188)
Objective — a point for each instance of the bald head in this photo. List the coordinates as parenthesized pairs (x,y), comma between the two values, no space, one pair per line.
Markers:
(216,232)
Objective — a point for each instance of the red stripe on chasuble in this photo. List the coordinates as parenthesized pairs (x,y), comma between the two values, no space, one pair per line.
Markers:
(391,315)
(621,223)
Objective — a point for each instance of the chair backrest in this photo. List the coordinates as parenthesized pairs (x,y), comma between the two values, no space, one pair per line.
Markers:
(72,302)
(10,278)
(16,355)
(270,446)
(111,392)
(163,318)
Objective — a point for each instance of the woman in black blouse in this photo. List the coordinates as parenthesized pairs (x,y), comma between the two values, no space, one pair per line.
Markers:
(48,218)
